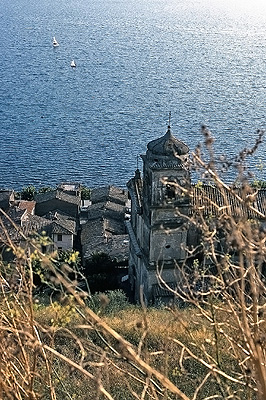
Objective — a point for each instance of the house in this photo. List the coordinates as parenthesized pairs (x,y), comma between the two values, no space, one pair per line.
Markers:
(109,193)
(7,197)
(16,227)
(104,240)
(29,206)
(104,229)
(72,188)
(96,238)
(20,223)
(62,229)
(57,199)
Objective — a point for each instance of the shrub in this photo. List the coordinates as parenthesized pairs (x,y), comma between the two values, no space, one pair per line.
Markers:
(109,302)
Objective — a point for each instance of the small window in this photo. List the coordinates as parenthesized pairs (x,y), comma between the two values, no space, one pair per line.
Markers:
(59,237)
(170,192)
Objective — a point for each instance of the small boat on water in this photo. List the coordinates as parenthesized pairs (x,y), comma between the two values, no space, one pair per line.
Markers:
(55,42)
(73,64)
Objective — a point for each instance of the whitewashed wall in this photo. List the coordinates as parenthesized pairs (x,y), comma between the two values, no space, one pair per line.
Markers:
(65,244)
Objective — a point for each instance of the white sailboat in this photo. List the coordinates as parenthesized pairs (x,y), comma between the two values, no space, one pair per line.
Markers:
(55,42)
(73,64)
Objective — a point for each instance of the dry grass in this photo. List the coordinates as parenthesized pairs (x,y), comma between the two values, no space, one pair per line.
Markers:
(80,345)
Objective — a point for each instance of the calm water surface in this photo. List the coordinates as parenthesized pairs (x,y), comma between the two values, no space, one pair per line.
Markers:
(136,60)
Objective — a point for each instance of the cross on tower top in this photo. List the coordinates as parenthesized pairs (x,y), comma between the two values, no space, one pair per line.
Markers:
(169,122)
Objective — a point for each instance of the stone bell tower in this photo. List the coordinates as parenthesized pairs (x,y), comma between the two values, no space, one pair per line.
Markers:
(159,205)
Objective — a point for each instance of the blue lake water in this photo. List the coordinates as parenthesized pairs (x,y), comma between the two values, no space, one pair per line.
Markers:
(136,61)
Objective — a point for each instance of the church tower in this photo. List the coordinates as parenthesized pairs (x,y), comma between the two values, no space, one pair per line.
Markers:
(159,205)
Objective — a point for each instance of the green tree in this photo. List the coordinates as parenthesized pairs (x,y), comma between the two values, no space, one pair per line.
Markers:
(45,189)
(101,271)
(85,193)
(28,193)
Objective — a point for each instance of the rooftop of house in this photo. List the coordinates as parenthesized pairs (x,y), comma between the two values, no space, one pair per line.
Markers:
(5,192)
(26,205)
(115,246)
(57,194)
(101,227)
(106,209)
(14,215)
(61,222)
(109,193)
(92,229)
(212,200)
(238,202)
(63,227)
(6,196)
(17,225)
(69,186)
(57,215)
(39,224)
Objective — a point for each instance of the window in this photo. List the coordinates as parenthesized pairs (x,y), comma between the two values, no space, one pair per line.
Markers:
(59,237)
(170,192)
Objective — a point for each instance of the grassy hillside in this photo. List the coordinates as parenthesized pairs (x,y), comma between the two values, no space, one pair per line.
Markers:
(59,350)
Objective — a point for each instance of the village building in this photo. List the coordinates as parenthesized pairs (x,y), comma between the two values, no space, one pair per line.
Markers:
(163,203)
(103,229)
(53,213)
(7,197)
(63,230)
(73,188)
(17,227)
(58,199)
(89,226)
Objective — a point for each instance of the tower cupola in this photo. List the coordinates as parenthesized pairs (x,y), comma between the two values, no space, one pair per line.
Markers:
(166,146)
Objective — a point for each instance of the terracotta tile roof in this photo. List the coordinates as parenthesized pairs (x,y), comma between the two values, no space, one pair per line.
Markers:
(61,222)
(26,205)
(27,224)
(213,201)
(92,229)
(58,214)
(115,227)
(39,224)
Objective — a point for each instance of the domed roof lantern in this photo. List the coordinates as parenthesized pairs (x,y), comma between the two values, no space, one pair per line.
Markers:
(167,145)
